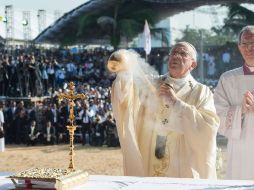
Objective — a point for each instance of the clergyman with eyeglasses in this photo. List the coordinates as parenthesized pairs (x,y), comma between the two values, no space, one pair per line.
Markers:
(192,121)
(178,139)
(234,102)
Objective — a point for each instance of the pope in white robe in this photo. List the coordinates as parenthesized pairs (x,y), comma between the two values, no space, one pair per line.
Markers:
(160,137)
(234,102)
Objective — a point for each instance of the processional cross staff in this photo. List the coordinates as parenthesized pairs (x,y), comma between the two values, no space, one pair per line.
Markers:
(71,128)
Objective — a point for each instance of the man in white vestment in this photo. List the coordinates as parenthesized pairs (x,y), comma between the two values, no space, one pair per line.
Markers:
(167,125)
(234,103)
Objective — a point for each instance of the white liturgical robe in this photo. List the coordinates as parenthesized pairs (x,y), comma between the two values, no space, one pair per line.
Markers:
(238,128)
(190,128)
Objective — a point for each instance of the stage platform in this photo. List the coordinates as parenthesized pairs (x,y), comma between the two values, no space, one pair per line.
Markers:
(99,182)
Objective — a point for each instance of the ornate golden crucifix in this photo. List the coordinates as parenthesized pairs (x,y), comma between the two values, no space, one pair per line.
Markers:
(71,128)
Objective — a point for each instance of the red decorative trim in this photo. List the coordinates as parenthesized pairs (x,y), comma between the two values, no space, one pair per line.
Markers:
(246,70)
(229,118)
(28,183)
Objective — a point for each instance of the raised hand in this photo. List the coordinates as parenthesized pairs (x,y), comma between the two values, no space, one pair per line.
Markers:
(248,102)
(167,92)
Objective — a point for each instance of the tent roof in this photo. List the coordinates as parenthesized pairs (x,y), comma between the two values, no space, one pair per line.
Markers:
(67,25)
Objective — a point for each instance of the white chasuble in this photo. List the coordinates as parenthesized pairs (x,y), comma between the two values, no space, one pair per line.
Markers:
(238,128)
(191,134)
(190,128)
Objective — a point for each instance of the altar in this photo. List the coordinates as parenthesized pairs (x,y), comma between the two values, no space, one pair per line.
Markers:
(97,182)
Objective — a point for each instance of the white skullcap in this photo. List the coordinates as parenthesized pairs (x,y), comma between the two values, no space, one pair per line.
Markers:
(192,49)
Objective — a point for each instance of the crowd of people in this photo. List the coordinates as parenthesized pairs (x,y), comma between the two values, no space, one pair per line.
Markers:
(35,73)
(32,72)
(44,122)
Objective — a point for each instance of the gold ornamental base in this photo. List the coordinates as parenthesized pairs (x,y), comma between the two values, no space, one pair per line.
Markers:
(49,178)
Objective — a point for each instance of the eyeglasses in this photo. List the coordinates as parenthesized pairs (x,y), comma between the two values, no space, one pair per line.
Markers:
(246,44)
(181,53)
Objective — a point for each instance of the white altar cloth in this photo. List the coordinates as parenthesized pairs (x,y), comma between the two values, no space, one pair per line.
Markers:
(97,182)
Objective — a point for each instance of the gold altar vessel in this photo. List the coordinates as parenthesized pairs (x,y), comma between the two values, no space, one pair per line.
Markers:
(53,178)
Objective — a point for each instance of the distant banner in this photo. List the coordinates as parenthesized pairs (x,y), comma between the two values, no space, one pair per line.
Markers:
(147,37)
